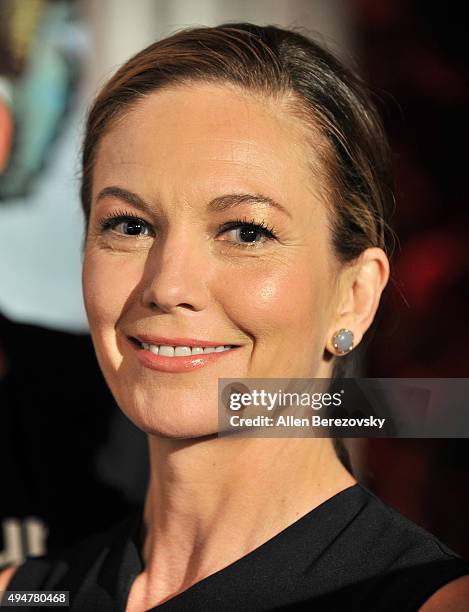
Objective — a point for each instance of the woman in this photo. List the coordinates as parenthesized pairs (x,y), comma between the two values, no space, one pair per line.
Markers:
(236,188)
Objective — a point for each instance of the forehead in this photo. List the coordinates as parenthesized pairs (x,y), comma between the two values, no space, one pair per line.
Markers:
(203,135)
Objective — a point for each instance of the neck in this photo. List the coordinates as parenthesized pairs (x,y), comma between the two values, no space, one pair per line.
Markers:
(213,500)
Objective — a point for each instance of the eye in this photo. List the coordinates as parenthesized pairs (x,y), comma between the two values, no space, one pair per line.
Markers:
(244,233)
(126,224)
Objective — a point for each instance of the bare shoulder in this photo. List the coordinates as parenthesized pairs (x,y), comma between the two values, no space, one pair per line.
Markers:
(6,575)
(452,597)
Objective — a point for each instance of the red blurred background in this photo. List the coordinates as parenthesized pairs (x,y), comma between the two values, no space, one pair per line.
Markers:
(415,56)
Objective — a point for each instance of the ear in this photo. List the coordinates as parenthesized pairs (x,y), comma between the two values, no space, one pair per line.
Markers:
(359,291)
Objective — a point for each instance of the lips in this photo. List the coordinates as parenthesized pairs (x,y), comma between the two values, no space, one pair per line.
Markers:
(161,340)
(175,364)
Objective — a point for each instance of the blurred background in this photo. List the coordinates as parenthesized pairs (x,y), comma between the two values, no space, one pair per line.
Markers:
(71,463)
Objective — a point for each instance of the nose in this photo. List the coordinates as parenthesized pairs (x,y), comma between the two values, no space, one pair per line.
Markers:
(176,274)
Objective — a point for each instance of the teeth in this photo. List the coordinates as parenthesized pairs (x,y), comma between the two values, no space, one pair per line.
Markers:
(183,351)
(166,351)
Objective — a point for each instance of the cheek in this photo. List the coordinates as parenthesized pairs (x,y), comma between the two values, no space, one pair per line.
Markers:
(108,282)
(274,300)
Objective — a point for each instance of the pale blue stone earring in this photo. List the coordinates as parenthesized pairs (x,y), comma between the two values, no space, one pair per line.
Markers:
(342,341)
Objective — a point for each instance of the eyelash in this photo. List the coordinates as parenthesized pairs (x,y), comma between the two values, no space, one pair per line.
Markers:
(265,230)
(118,216)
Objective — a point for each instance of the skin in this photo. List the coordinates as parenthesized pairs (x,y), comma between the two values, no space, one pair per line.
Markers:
(177,151)
(212,500)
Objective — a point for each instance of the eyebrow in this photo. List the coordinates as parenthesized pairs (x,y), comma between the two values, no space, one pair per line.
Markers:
(235,199)
(126,196)
(218,204)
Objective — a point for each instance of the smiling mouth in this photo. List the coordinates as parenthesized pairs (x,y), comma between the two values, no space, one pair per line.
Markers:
(166,350)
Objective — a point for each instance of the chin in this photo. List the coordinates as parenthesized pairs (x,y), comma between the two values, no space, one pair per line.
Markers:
(183,421)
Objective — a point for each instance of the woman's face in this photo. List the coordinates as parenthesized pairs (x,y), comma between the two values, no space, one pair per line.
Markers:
(197,165)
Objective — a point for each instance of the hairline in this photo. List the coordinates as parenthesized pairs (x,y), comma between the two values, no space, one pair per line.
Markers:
(319,164)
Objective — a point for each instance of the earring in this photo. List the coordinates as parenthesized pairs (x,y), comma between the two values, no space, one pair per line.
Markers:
(342,341)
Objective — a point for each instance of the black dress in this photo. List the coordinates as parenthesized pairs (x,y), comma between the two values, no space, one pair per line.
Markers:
(352,552)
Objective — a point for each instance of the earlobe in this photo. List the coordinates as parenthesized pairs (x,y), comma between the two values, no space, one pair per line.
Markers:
(342,341)
(362,286)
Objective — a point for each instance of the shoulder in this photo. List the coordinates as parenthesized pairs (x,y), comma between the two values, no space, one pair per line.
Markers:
(402,562)
(400,538)
(452,597)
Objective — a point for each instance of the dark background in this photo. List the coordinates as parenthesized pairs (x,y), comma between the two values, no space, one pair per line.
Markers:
(415,56)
